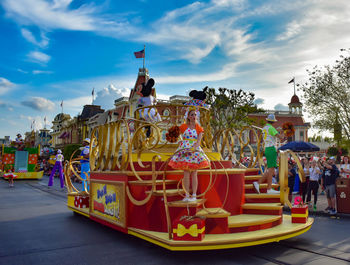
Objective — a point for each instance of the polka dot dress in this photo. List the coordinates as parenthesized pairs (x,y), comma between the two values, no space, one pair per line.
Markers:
(187,159)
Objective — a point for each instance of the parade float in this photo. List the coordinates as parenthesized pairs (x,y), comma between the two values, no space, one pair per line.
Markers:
(133,190)
(22,161)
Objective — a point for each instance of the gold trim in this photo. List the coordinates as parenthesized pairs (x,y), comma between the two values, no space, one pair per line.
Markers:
(300,215)
(213,213)
(243,223)
(224,244)
(77,211)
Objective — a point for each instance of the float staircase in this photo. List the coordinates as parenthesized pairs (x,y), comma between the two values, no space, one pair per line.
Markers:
(258,212)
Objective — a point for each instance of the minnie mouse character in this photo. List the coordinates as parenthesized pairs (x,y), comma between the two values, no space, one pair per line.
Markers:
(146,99)
(198,100)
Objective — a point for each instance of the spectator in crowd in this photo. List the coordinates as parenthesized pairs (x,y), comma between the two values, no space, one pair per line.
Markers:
(304,185)
(344,167)
(291,179)
(329,176)
(315,173)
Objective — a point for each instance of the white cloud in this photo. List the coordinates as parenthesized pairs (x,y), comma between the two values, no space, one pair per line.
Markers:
(28,35)
(33,122)
(5,85)
(36,72)
(22,71)
(59,15)
(39,103)
(105,97)
(280,106)
(5,106)
(39,57)
(259,101)
(75,105)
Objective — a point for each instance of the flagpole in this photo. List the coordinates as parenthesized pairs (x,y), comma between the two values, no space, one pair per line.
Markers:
(144,56)
(294,85)
(93,94)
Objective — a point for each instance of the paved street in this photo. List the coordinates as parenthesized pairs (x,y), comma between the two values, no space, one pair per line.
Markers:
(37,228)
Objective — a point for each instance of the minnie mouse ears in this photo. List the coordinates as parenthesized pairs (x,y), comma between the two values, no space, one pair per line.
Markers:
(198,95)
(150,83)
(147,89)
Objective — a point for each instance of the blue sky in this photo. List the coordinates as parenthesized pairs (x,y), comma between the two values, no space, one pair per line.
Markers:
(54,50)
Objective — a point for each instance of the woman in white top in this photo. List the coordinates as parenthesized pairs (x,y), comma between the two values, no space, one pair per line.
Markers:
(344,168)
(304,185)
(314,172)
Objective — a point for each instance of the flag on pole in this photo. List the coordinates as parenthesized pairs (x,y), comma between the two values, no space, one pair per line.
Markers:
(45,119)
(140,54)
(61,103)
(93,92)
(291,81)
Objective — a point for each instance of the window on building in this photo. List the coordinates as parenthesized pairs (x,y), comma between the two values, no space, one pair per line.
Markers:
(166,112)
(302,135)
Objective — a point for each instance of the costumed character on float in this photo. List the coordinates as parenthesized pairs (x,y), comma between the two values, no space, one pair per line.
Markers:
(85,163)
(57,166)
(189,156)
(19,142)
(10,176)
(146,93)
(198,99)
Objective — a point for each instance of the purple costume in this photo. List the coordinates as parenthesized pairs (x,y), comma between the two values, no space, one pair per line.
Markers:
(57,166)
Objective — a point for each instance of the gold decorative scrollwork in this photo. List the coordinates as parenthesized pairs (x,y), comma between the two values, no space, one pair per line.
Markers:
(283,174)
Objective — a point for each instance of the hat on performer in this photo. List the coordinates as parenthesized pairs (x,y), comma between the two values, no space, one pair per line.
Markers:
(59,151)
(271,117)
(87,140)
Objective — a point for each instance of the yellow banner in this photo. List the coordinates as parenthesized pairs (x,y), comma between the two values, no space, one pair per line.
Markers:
(108,202)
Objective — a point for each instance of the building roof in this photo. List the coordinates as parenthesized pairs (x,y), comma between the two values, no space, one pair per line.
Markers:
(89,111)
(295,99)
(61,117)
(296,119)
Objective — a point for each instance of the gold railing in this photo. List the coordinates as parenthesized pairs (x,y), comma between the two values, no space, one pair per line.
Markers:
(283,174)
(113,144)
(120,144)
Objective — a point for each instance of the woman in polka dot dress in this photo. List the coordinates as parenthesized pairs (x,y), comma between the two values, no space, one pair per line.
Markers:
(189,156)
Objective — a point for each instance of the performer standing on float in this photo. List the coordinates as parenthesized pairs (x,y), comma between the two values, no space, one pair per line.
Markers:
(57,166)
(189,156)
(85,163)
(269,134)
(198,99)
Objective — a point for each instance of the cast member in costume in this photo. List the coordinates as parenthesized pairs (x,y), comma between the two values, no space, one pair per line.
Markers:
(269,134)
(189,156)
(85,163)
(10,177)
(146,92)
(57,166)
(198,99)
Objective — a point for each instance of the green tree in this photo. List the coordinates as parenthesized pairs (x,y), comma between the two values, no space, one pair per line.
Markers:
(327,96)
(230,108)
(69,149)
